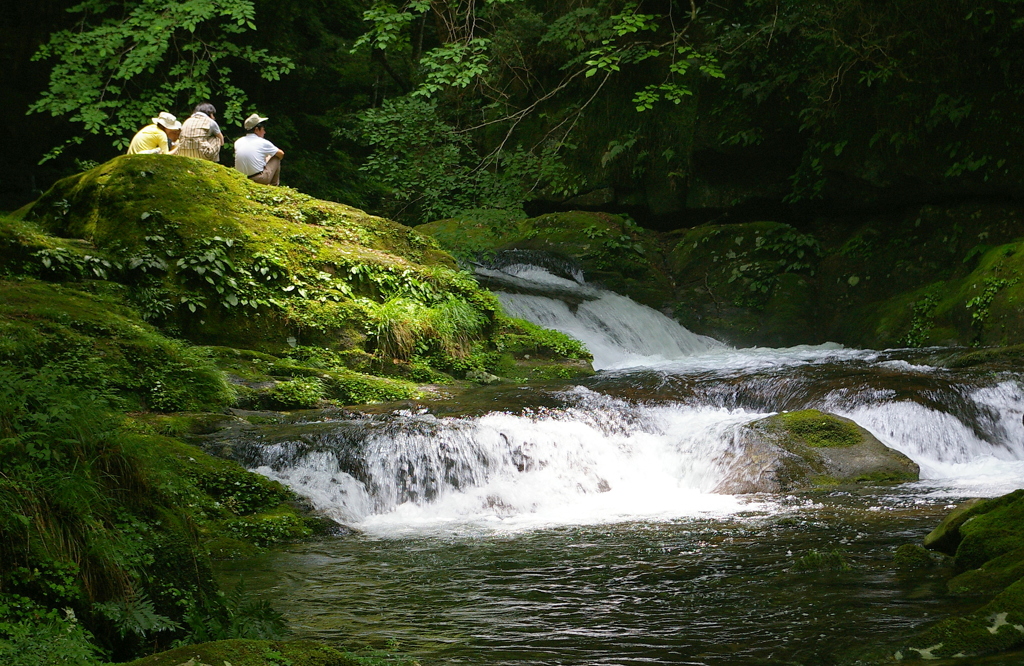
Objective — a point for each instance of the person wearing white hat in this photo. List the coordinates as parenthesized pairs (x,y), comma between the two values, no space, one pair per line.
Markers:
(156,138)
(256,157)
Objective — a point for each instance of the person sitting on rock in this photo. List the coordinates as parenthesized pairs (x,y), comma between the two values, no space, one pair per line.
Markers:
(157,137)
(256,157)
(200,134)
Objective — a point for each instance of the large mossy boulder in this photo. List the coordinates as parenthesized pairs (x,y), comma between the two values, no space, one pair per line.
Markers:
(746,284)
(986,539)
(611,249)
(231,261)
(806,449)
(981,530)
(208,256)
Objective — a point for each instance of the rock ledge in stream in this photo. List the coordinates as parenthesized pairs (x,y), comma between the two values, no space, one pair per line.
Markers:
(809,448)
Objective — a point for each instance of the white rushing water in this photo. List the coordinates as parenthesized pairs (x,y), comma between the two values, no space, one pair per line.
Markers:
(618,331)
(602,459)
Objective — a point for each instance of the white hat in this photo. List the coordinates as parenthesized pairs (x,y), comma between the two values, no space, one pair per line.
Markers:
(166,120)
(254,120)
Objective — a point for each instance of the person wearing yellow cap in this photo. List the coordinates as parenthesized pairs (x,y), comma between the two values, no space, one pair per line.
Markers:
(256,157)
(156,138)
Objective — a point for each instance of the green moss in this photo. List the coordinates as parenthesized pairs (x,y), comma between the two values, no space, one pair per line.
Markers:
(817,560)
(353,388)
(991,577)
(524,339)
(989,630)
(946,536)
(912,556)
(301,393)
(820,430)
(98,343)
(986,536)
(265,529)
(886,477)
(224,259)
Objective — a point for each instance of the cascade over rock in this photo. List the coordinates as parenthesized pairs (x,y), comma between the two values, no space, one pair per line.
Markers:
(926,275)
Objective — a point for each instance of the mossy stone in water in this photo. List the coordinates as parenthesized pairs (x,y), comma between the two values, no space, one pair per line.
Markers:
(996,627)
(911,556)
(946,536)
(991,577)
(988,535)
(819,429)
(810,448)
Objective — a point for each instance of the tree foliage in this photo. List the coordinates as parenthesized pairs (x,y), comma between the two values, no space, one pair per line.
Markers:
(511,81)
(126,61)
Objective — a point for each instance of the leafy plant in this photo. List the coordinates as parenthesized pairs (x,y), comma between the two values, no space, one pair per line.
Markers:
(979,304)
(924,314)
(42,636)
(301,392)
(125,61)
(818,560)
(135,614)
(245,617)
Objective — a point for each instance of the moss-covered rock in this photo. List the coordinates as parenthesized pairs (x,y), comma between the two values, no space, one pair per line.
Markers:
(100,344)
(204,254)
(947,536)
(991,577)
(229,260)
(745,283)
(912,556)
(806,449)
(989,534)
(987,539)
(611,249)
(997,626)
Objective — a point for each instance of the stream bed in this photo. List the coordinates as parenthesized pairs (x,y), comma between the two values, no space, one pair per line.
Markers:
(712,590)
(577,523)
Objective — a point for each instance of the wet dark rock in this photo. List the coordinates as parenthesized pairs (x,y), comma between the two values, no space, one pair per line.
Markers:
(809,448)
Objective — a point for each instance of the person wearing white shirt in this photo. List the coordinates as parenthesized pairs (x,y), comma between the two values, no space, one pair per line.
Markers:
(256,157)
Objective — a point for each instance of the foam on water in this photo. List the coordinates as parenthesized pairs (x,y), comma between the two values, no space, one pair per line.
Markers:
(618,331)
(601,459)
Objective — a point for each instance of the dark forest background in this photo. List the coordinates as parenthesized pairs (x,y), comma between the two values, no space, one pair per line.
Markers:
(674,112)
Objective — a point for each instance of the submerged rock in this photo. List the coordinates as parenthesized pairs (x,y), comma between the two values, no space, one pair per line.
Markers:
(809,448)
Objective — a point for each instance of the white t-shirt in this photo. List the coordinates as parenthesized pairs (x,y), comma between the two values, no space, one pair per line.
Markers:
(252,153)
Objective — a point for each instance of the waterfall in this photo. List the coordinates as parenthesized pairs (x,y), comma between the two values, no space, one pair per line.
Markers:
(617,330)
(658,449)
(599,459)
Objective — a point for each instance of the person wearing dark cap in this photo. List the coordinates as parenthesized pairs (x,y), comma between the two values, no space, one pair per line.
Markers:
(256,157)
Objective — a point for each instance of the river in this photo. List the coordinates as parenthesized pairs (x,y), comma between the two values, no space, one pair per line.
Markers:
(576,523)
